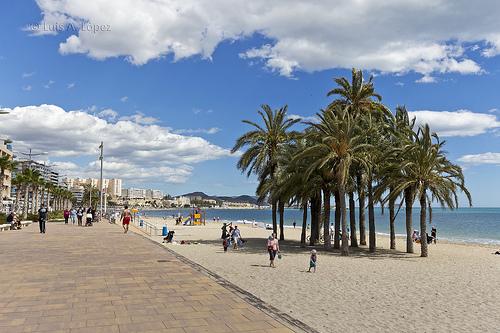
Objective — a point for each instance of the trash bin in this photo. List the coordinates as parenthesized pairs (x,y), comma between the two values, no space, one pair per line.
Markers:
(164,231)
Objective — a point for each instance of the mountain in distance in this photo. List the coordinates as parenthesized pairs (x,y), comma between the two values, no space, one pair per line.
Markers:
(239,199)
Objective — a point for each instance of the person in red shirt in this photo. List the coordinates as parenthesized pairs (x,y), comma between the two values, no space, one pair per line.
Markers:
(125,218)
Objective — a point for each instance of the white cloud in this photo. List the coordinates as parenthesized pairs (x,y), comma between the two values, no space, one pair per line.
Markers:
(400,84)
(71,85)
(390,36)
(27,88)
(124,99)
(202,111)
(484,158)
(108,114)
(133,151)
(212,130)
(25,75)
(48,84)
(426,79)
(312,119)
(140,118)
(456,123)
(65,166)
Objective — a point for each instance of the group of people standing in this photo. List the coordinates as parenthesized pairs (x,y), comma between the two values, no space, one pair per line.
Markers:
(76,215)
(417,238)
(231,237)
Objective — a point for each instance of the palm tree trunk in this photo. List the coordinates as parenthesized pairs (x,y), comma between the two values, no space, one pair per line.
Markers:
(274,211)
(326,217)
(352,220)
(18,197)
(314,228)
(32,200)
(345,242)
(304,225)
(423,226)
(36,200)
(25,208)
(361,199)
(392,217)
(409,223)
(338,213)
(371,218)
(281,206)
(315,218)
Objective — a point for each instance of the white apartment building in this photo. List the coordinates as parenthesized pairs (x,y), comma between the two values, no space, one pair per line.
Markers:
(77,191)
(111,186)
(114,187)
(154,194)
(134,193)
(182,201)
(5,184)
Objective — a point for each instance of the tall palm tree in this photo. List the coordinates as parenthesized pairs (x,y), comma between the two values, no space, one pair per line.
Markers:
(36,183)
(394,167)
(264,144)
(361,99)
(429,172)
(19,182)
(29,177)
(339,143)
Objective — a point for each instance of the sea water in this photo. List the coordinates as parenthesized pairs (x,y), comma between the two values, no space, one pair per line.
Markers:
(471,225)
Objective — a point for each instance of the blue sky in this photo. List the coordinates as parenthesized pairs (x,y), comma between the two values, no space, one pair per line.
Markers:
(204,89)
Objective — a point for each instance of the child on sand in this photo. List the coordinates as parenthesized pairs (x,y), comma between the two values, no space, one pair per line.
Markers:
(312,261)
(225,243)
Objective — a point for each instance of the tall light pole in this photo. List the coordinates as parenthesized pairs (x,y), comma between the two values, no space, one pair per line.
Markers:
(102,185)
(30,155)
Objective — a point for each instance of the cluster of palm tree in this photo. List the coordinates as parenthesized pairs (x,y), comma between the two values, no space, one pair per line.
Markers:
(30,185)
(357,149)
(90,196)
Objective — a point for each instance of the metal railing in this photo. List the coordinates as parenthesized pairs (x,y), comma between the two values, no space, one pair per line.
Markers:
(148,228)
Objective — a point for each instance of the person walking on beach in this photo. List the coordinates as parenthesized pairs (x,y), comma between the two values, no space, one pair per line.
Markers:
(224,231)
(72,215)
(294,224)
(236,235)
(434,234)
(225,243)
(66,215)
(273,248)
(125,218)
(42,218)
(88,216)
(79,216)
(312,261)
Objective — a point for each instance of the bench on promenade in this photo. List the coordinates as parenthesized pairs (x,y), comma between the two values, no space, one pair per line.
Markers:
(6,226)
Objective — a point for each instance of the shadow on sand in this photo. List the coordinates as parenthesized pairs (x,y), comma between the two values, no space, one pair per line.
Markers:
(259,246)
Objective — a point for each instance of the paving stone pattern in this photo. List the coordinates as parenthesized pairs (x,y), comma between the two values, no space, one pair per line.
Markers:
(98,279)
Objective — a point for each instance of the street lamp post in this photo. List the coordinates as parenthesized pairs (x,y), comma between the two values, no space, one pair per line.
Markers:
(102,185)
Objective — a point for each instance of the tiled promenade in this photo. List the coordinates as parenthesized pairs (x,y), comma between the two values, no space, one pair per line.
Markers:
(97,279)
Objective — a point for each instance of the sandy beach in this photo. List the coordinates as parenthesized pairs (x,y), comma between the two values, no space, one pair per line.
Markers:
(456,289)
